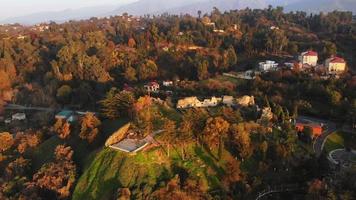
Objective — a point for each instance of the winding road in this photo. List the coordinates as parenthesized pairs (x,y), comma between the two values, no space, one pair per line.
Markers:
(329,128)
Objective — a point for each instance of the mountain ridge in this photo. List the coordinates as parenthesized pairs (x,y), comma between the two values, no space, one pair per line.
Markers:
(142,7)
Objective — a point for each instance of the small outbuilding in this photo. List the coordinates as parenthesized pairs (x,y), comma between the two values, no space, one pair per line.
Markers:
(66,115)
(19,116)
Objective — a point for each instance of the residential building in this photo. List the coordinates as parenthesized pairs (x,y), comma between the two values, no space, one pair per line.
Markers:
(268,65)
(19,116)
(194,102)
(218,31)
(214,101)
(246,101)
(309,58)
(188,102)
(66,115)
(317,129)
(335,64)
(167,83)
(152,87)
(228,100)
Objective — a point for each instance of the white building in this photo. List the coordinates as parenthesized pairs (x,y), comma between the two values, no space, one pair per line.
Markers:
(19,116)
(152,87)
(193,102)
(268,65)
(228,100)
(246,101)
(309,58)
(167,83)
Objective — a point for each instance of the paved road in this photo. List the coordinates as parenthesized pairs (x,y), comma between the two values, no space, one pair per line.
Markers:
(45,109)
(20,107)
(330,127)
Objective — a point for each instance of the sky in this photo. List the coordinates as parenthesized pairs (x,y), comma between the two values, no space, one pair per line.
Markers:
(14,8)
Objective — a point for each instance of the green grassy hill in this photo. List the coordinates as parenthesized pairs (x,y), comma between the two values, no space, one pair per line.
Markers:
(146,172)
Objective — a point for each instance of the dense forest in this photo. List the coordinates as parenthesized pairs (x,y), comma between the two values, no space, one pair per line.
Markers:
(101,65)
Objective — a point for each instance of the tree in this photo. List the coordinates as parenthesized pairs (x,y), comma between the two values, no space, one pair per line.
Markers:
(27,140)
(130,74)
(124,194)
(199,14)
(308,132)
(89,127)
(292,48)
(230,59)
(6,141)
(147,70)
(63,153)
(117,104)
(202,70)
(5,82)
(233,174)
(64,93)
(18,167)
(62,128)
(241,139)
(169,135)
(58,176)
(131,43)
(329,49)
(178,190)
(215,130)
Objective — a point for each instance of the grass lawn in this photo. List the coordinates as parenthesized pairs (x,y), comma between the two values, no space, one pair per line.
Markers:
(335,141)
(44,153)
(110,170)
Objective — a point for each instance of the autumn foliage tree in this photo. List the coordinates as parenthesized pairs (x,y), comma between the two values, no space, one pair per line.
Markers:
(6,141)
(62,128)
(27,140)
(58,176)
(215,130)
(169,136)
(179,190)
(89,127)
(241,140)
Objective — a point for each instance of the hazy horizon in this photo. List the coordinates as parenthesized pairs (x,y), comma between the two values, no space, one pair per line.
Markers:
(17,8)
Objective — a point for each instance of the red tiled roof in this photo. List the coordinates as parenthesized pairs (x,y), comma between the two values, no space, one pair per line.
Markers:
(317,129)
(153,84)
(310,53)
(337,60)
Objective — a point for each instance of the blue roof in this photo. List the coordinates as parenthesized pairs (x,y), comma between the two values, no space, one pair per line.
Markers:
(64,113)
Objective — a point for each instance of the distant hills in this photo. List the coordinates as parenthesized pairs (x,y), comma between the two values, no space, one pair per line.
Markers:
(60,16)
(142,7)
(322,5)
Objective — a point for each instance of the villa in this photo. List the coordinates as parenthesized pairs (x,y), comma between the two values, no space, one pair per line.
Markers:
(194,102)
(152,87)
(335,64)
(268,65)
(309,58)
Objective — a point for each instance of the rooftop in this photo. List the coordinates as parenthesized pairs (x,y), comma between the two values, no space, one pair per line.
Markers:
(310,53)
(337,60)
